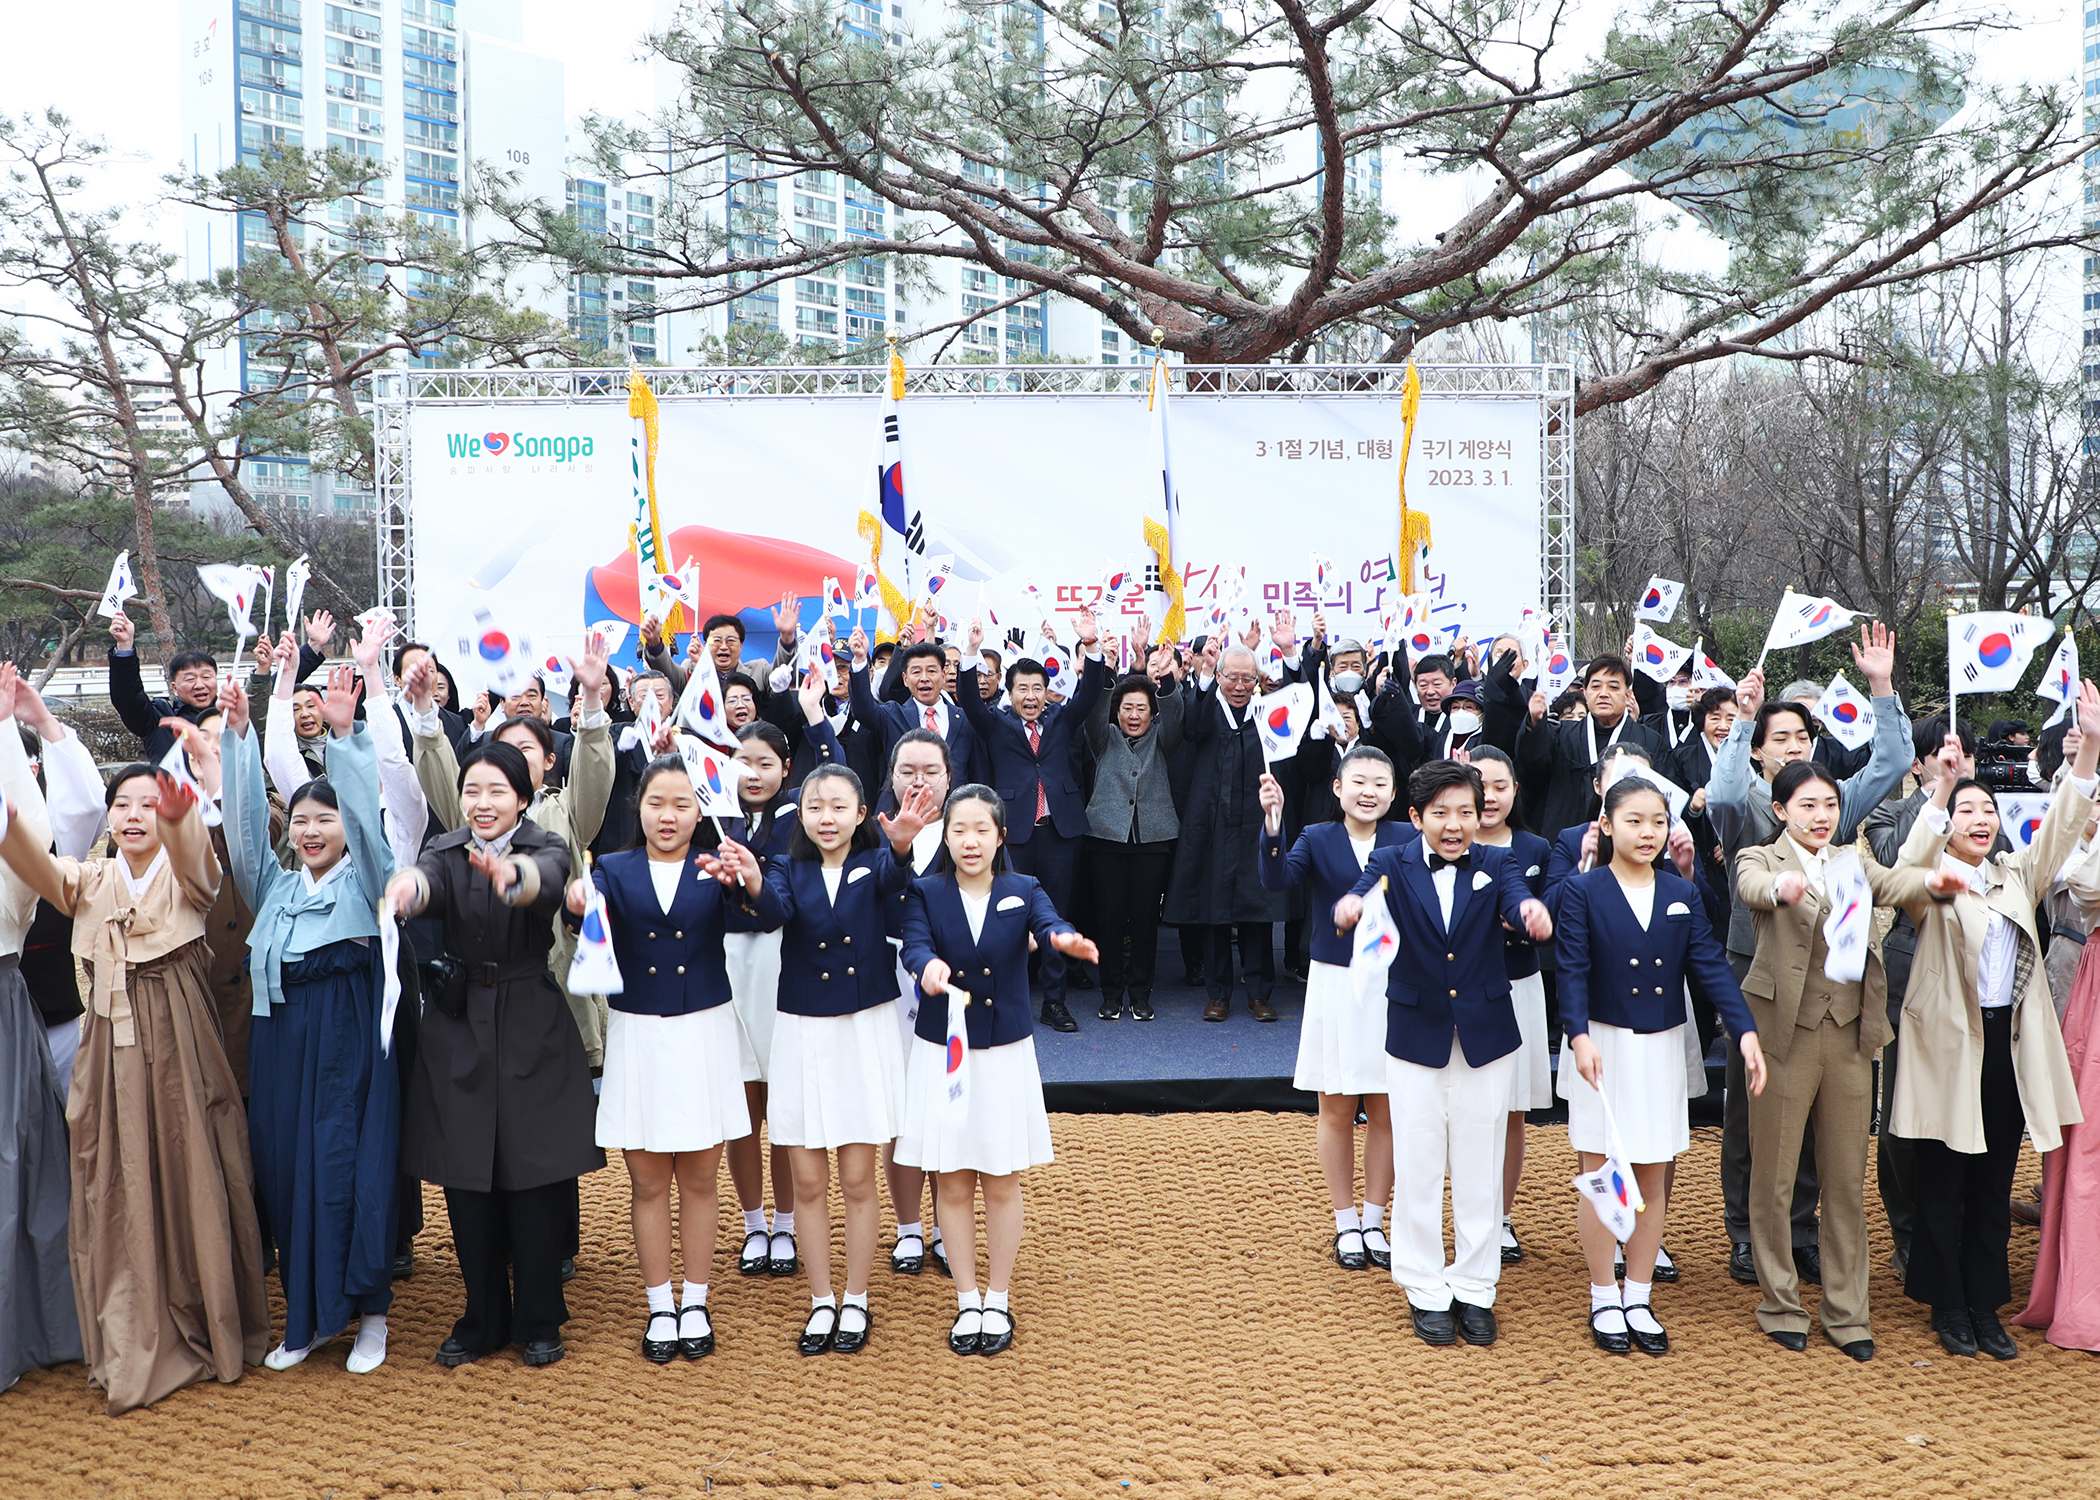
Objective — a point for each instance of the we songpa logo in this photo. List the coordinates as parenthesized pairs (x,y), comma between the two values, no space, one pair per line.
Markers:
(559,448)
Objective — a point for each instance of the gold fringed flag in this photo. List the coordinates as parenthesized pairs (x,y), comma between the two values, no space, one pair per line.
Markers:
(647,532)
(891,522)
(1414,524)
(1164,602)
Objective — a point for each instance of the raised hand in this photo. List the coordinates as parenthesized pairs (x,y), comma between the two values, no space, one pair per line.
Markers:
(176,799)
(233,704)
(9,679)
(788,618)
(857,645)
(917,810)
(1683,852)
(1875,656)
(1271,796)
(652,632)
(402,891)
(1084,627)
(2088,755)
(811,693)
(1319,635)
(419,683)
(371,640)
(320,629)
(121,631)
(1538,707)
(589,674)
(976,635)
(1945,884)
(1283,630)
(1750,692)
(339,703)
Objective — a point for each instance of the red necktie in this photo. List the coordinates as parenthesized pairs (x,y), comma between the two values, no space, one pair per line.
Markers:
(933,720)
(1035,748)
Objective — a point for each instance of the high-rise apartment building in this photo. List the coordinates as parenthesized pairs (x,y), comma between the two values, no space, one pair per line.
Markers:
(428,88)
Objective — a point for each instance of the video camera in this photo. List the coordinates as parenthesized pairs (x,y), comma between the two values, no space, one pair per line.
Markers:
(2002,766)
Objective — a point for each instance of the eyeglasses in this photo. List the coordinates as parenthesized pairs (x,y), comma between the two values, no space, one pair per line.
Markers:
(1238,678)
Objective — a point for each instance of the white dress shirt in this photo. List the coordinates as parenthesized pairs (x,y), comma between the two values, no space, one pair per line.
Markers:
(1813,863)
(1446,882)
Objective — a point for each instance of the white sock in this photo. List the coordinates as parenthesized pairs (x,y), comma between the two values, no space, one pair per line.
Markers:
(857,1299)
(936,1235)
(695,1294)
(913,1231)
(659,1299)
(855,1307)
(1638,1314)
(969,1316)
(1374,1216)
(693,1321)
(1346,1219)
(818,1307)
(969,1301)
(754,1221)
(995,1299)
(1509,1235)
(783,1223)
(1602,1298)
(368,1352)
(1662,1258)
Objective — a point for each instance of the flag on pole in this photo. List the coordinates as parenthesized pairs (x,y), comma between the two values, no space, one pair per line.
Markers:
(955,1093)
(390,971)
(1802,618)
(1373,945)
(1165,604)
(1655,657)
(1850,925)
(234,583)
(647,536)
(893,528)
(1612,1189)
(2060,681)
(1557,671)
(1411,548)
(682,587)
(1988,652)
(295,578)
(716,776)
(835,603)
(595,970)
(611,635)
(267,577)
(1325,573)
(2020,815)
(1281,719)
(177,764)
(1705,672)
(495,656)
(1675,797)
(1057,666)
(1845,713)
(648,718)
(120,587)
(701,710)
(1659,601)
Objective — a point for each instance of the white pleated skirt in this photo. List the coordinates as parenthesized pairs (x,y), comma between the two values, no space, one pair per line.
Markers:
(672,1082)
(1532,1083)
(1341,1042)
(835,1080)
(753,961)
(907,1005)
(1004,1128)
(1645,1078)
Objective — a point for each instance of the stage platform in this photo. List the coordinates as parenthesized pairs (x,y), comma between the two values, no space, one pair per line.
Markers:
(1182,1063)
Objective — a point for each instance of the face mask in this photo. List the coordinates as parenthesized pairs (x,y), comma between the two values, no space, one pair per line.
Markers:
(1678,698)
(1348,682)
(1464,721)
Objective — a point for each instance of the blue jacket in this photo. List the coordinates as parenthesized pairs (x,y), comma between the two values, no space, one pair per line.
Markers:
(892,720)
(1520,955)
(993,967)
(1018,771)
(1566,859)
(1324,861)
(786,813)
(1444,982)
(671,961)
(1614,971)
(835,957)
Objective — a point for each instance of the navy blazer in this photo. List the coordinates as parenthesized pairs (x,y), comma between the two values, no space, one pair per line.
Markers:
(1614,971)
(1018,771)
(835,957)
(1441,981)
(992,967)
(893,720)
(671,961)
(1520,955)
(786,814)
(1567,860)
(1324,861)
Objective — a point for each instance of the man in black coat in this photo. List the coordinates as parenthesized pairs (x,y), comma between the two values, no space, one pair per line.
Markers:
(1556,760)
(193,684)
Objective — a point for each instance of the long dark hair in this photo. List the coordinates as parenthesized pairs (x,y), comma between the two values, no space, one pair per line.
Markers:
(865,837)
(1515,817)
(974,792)
(1614,795)
(705,835)
(757,829)
(1790,780)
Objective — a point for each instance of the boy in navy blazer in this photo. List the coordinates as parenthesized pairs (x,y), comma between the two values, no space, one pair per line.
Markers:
(1451,1044)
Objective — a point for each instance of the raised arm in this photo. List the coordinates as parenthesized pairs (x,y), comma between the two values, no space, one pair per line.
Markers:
(251,853)
(353,770)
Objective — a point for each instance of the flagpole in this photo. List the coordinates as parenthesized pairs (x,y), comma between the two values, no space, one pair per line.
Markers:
(1788,594)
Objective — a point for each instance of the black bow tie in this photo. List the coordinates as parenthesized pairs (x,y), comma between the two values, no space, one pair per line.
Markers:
(1437,862)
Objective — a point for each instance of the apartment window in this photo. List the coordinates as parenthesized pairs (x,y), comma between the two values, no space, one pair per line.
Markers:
(817,210)
(863,220)
(258,137)
(272,73)
(816,234)
(864,18)
(424,102)
(441,223)
(817,182)
(351,86)
(283,12)
(817,320)
(431,195)
(867,303)
(430,133)
(821,293)
(430,74)
(640,203)
(436,43)
(641,291)
(266,105)
(424,164)
(356,23)
(344,54)
(268,41)
(430,12)
(975,279)
(351,118)
(357,146)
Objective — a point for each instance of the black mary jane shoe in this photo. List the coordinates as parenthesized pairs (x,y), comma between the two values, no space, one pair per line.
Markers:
(817,1343)
(965,1343)
(990,1342)
(908,1265)
(1352,1258)
(660,1351)
(452,1354)
(1141,1007)
(1666,1265)
(702,1345)
(1648,1343)
(778,1264)
(937,1252)
(846,1340)
(750,1262)
(1610,1343)
(544,1352)
(1381,1258)
(1514,1250)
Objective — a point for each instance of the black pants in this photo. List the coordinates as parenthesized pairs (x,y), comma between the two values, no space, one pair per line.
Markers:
(510,1246)
(1963,1209)
(1735,1154)
(1257,959)
(1895,1158)
(1052,859)
(1129,881)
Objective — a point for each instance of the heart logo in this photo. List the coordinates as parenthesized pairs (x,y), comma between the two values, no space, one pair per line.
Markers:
(495,442)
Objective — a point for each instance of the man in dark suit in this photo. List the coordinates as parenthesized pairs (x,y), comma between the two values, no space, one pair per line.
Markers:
(1029,744)
(921,669)
(1555,760)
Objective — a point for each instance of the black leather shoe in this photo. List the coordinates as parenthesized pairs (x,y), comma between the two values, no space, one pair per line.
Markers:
(660,1351)
(908,1264)
(1350,1257)
(998,1336)
(568,1272)
(826,1318)
(1808,1264)
(544,1351)
(405,1264)
(702,1345)
(1438,1328)
(1610,1343)
(1111,1008)
(1666,1265)
(1786,1338)
(1057,1018)
(1476,1325)
(1379,1250)
(452,1353)
(1141,1006)
(1742,1265)
(1859,1349)
(753,1260)
(778,1264)
(852,1340)
(937,1252)
(1990,1334)
(1648,1343)
(1956,1335)
(964,1343)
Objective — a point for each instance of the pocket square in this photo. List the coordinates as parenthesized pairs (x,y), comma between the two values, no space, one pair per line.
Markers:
(860,874)
(1482,880)
(1677,909)
(1011,903)
(1531,872)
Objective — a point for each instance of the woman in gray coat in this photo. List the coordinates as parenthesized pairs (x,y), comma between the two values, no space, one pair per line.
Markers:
(1134,729)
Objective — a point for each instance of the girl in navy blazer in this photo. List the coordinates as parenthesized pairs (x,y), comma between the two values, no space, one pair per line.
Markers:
(835,1077)
(672,1091)
(1341,1042)
(968,926)
(753,959)
(1502,825)
(1629,937)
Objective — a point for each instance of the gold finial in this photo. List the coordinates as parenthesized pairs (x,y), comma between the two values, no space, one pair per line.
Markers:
(1159,336)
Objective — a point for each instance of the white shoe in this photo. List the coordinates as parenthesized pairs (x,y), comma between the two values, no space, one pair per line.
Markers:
(282,1358)
(368,1353)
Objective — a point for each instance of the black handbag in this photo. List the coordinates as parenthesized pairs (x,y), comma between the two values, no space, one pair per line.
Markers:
(444,981)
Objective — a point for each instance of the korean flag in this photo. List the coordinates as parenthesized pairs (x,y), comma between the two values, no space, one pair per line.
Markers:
(1655,657)
(594,970)
(2020,814)
(1988,652)
(955,1064)
(2059,682)
(1847,715)
(1373,946)
(1659,601)
(1281,719)
(1612,1189)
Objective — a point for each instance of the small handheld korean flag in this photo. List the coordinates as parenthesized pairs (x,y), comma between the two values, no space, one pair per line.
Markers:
(682,587)
(1802,618)
(2020,815)
(500,659)
(390,970)
(716,778)
(295,577)
(1557,671)
(1612,1189)
(835,603)
(1659,601)
(1532,635)
(2060,681)
(1845,713)
(955,1078)
(701,709)
(234,583)
(1655,657)
(1706,673)
(1988,652)
(1325,574)
(1373,945)
(1057,664)
(119,588)
(1850,925)
(611,635)
(1281,718)
(177,764)
(595,970)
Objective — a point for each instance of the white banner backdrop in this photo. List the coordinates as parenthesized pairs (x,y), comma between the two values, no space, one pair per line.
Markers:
(1047,489)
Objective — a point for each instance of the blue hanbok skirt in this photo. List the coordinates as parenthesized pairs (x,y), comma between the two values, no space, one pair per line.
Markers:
(324,1127)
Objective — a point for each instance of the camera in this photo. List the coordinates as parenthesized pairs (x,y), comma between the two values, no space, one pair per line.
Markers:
(2002,766)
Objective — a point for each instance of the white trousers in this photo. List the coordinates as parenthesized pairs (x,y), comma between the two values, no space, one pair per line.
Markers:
(1454,1120)
(64,1039)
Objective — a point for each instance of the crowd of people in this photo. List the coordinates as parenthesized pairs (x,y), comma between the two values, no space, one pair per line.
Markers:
(262,1068)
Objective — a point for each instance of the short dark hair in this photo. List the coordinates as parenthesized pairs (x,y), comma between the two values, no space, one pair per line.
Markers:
(190,656)
(305,687)
(1608,662)
(1767,712)
(716,622)
(1439,776)
(508,760)
(2049,750)
(537,727)
(740,679)
(930,650)
(1620,752)
(1135,682)
(1710,701)
(1927,737)
(403,648)
(1569,698)
(1436,661)
(802,846)
(1027,666)
(1362,752)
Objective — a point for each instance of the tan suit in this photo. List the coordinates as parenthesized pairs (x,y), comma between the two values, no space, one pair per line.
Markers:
(1819,1038)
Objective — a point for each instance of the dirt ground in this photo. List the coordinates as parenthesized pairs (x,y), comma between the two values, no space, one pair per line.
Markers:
(1182,1332)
